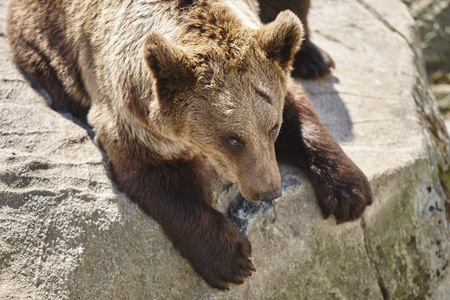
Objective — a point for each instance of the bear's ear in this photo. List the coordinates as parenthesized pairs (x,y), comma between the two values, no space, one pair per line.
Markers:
(169,66)
(281,39)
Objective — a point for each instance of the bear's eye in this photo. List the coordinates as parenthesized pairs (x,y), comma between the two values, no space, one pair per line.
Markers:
(235,142)
(274,131)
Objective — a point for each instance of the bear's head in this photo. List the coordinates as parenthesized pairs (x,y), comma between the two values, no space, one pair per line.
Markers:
(224,94)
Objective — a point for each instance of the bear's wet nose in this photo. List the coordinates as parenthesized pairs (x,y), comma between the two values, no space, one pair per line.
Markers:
(270,195)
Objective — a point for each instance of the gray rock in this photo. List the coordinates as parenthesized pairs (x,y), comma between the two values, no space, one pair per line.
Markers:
(442,94)
(65,233)
(433,24)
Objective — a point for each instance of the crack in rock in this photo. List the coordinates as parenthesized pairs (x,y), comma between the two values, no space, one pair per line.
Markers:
(373,265)
(379,17)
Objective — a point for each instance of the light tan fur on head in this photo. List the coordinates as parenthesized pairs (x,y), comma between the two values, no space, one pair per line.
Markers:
(225,92)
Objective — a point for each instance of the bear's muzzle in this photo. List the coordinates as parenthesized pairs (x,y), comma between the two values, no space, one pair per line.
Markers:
(268,196)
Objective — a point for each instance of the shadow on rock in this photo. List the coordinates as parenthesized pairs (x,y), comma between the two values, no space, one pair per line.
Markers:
(329,106)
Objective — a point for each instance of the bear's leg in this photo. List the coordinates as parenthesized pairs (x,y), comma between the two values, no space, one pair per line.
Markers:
(177,194)
(311,61)
(340,186)
(29,57)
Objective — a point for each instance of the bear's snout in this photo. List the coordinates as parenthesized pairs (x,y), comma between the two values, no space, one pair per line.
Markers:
(268,196)
(261,183)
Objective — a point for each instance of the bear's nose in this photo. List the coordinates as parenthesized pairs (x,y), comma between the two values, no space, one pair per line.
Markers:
(270,195)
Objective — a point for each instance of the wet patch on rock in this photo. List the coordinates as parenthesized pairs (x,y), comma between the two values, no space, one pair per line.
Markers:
(242,212)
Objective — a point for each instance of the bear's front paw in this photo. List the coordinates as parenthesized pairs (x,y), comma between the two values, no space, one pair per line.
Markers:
(311,62)
(344,192)
(232,264)
(222,256)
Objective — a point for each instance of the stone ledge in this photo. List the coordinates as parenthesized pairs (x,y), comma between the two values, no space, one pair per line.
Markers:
(66,234)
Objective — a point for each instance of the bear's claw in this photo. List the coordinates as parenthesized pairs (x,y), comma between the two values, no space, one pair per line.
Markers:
(344,194)
(232,269)
(223,255)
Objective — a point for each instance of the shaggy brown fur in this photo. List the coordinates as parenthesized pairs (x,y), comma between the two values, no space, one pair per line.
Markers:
(170,85)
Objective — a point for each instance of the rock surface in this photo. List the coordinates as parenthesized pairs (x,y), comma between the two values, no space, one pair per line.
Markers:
(65,233)
(433,25)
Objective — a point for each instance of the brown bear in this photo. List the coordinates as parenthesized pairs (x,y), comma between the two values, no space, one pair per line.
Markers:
(174,87)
